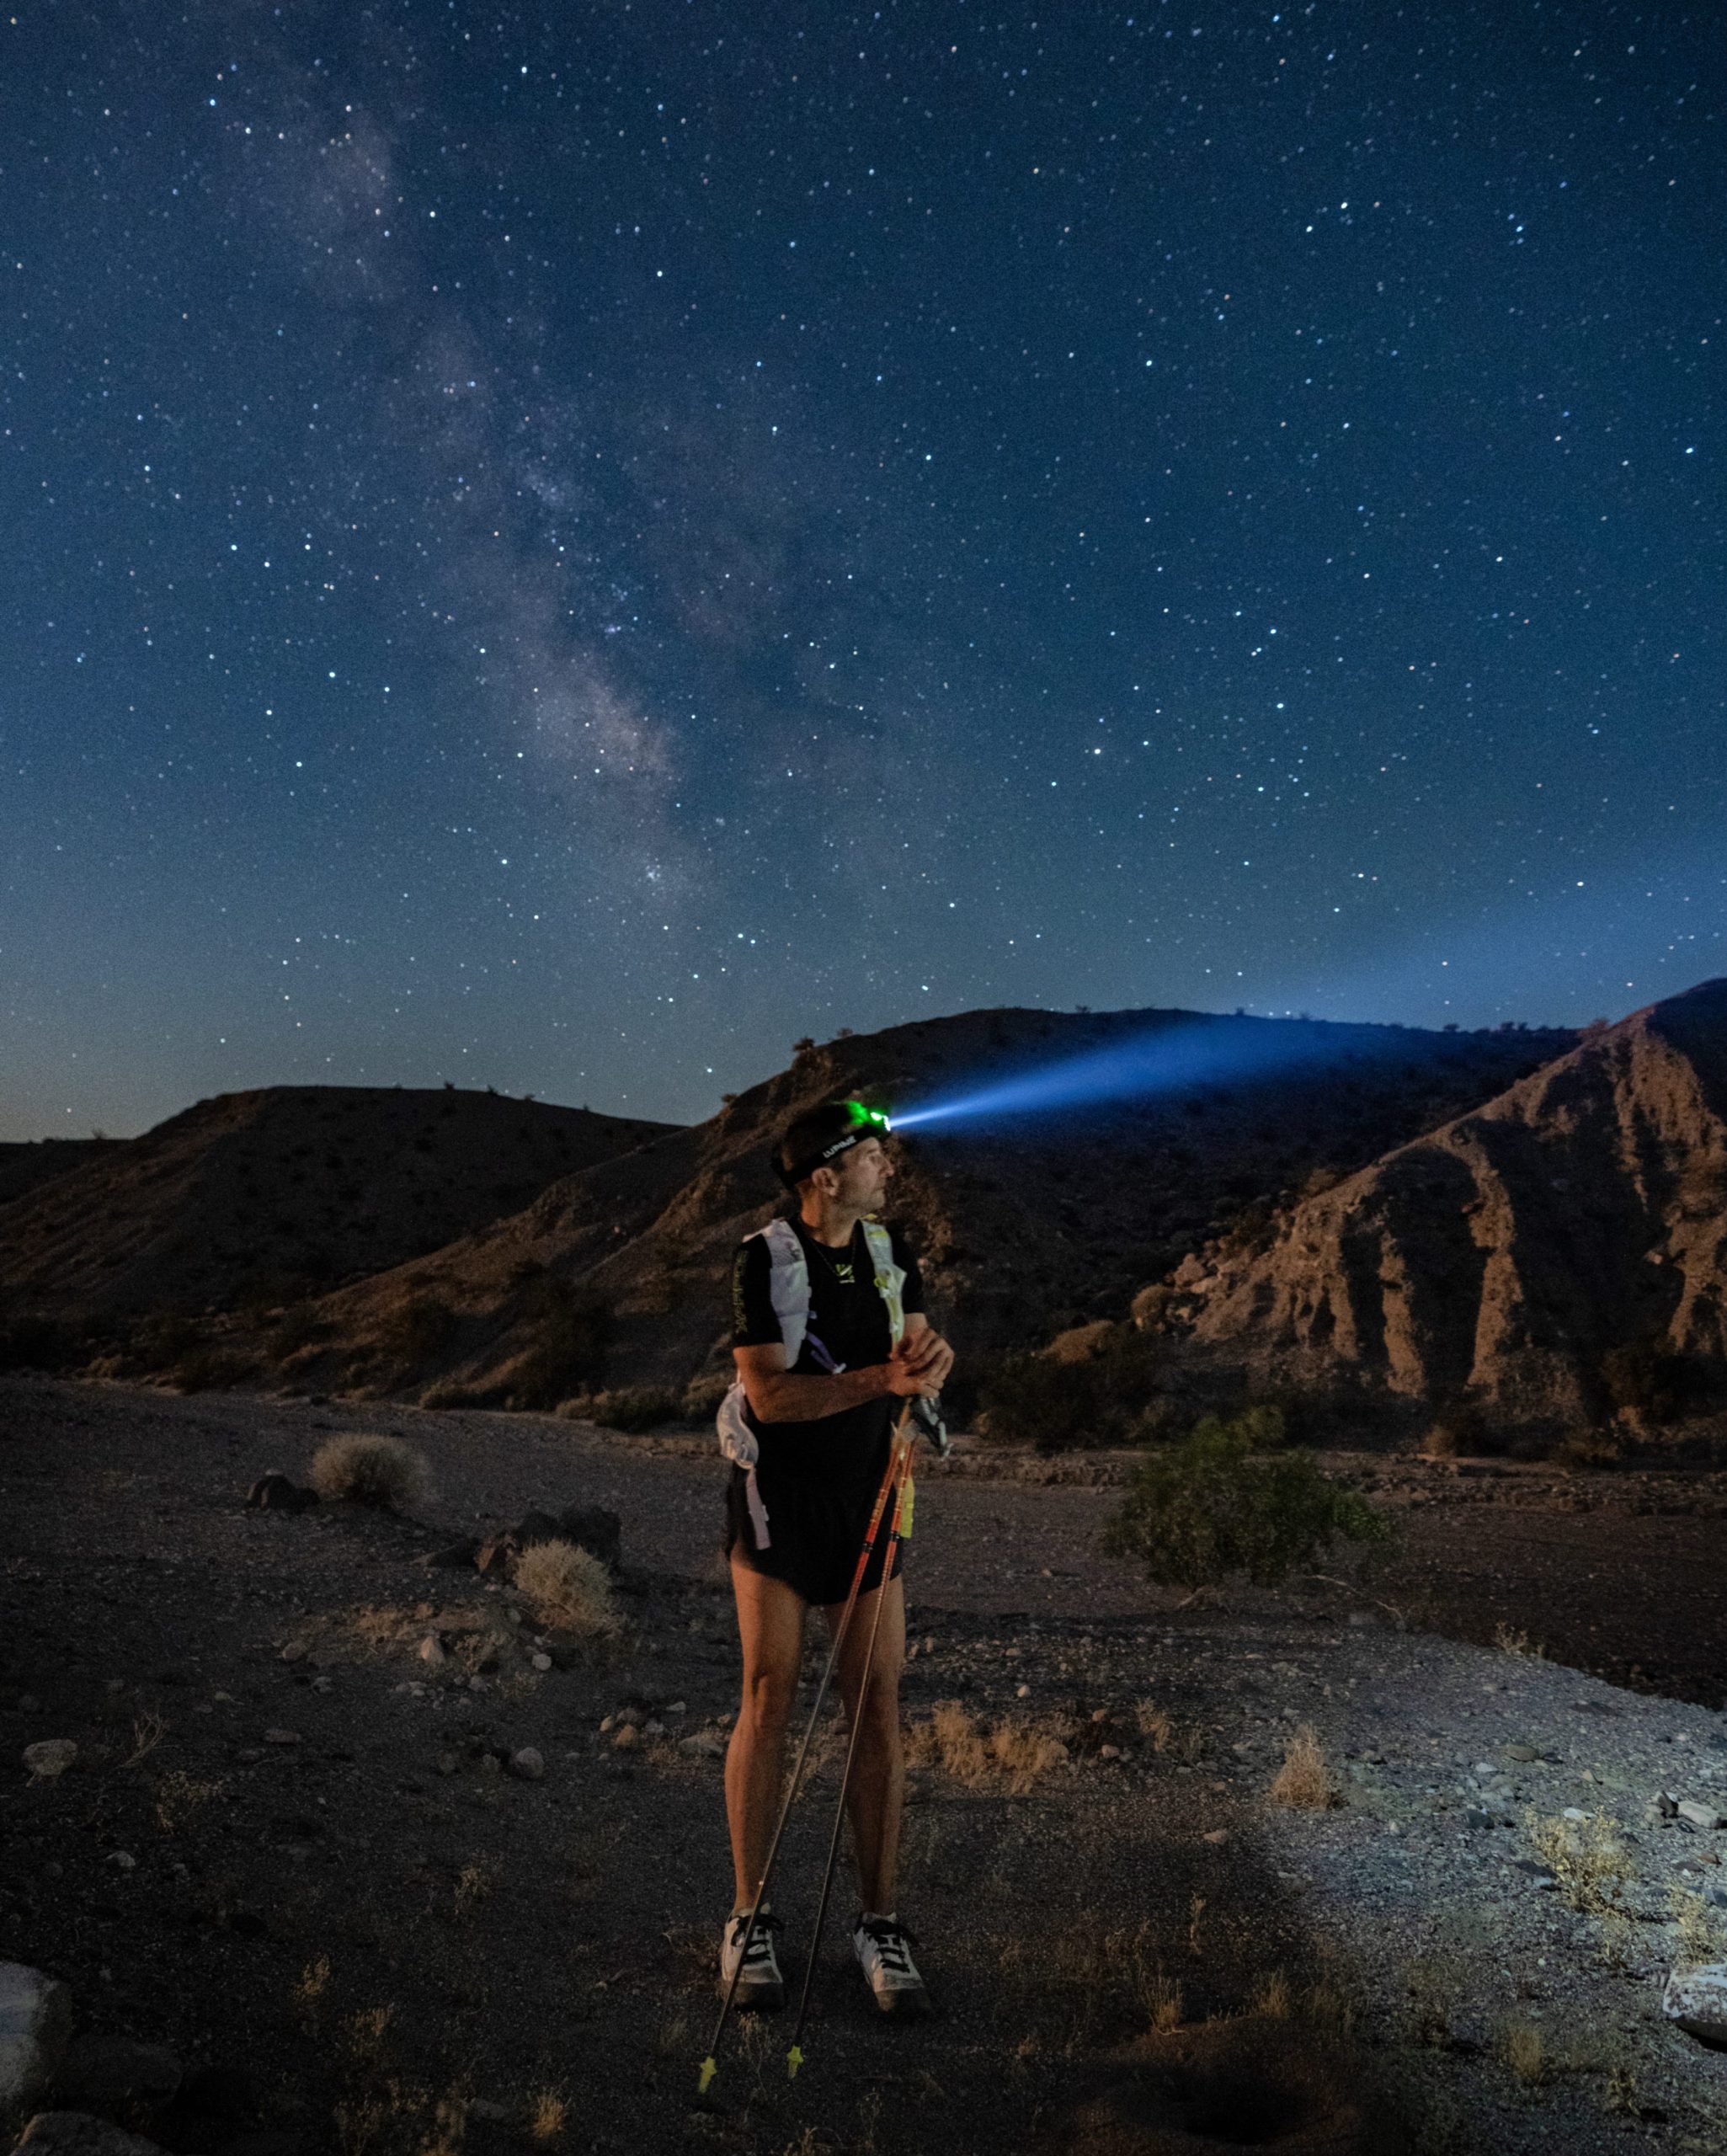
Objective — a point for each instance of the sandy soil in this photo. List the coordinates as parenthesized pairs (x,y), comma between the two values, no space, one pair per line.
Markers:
(291,1846)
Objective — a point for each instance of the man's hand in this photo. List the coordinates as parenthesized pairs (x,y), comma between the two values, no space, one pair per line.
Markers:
(919,1365)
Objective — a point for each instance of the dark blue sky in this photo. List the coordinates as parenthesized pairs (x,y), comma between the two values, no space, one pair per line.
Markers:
(566,547)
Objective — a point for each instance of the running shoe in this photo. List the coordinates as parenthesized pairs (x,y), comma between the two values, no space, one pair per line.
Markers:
(761,1989)
(885,1958)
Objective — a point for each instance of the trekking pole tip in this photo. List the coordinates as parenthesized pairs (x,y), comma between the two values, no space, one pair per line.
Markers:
(794,2059)
(710,2067)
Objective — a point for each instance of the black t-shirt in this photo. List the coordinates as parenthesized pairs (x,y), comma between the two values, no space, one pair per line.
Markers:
(849,1319)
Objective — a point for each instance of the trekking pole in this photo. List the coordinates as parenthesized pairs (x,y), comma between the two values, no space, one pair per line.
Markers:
(898,1450)
(794,2055)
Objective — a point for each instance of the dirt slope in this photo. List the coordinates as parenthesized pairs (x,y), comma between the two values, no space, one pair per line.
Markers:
(1024,1228)
(40,1159)
(252,1194)
(1502,1259)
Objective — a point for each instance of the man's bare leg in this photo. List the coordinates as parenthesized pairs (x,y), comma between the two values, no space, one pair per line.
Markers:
(877,1796)
(771,1627)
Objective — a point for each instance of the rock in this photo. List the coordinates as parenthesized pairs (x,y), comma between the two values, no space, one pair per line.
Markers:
(1704,1815)
(540,1660)
(454,1556)
(294,1651)
(1217,1836)
(121,1861)
(1523,1754)
(117,2077)
(1478,1815)
(1696,1999)
(593,1529)
(497,1555)
(628,1738)
(35,2025)
(1666,1804)
(77,2133)
(527,1765)
(481,2107)
(50,1755)
(431,1649)
(1715,1894)
(703,1744)
(274,1492)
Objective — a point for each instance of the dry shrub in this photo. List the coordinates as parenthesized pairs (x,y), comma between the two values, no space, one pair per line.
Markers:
(1510,1641)
(1304,1780)
(1524,2051)
(570,1590)
(1586,1857)
(1165,2004)
(179,1794)
(548,2116)
(1699,1931)
(1016,1751)
(1272,1997)
(474,1883)
(371,1470)
(1154,1722)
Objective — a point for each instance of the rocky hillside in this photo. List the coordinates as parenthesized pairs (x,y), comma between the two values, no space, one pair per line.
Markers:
(1552,1259)
(254,1197)
(40,1159)
(1024,1228)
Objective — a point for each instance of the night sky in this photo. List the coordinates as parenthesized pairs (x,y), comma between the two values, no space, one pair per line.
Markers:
(566,547)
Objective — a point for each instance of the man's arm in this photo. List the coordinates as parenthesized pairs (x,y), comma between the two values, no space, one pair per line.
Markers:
(917,1365)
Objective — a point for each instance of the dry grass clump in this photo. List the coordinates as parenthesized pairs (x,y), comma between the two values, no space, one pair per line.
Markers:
(548,2116)
(1524,2051)
(1016,1751)
(371,1470)
(1304,1780)
(1698,1932)
(570,1590)
(1153,1723)
(1272,1997)
(1510,1641)
(1586,1857)
(179,1794)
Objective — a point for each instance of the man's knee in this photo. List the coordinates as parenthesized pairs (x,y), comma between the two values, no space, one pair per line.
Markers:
(768,1696)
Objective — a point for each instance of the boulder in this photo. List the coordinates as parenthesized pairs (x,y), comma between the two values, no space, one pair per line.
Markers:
(276,1492)
(1697,2000)
(35,2025)
(50,1755)
(123,2080)
(78,2133)
(593,1529)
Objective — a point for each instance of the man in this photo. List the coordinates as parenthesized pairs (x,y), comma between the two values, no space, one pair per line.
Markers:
(795,1523)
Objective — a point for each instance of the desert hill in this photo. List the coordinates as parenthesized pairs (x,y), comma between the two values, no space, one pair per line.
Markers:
(40,1159)
(1551,1257)
(259,1195)
(1024,1228)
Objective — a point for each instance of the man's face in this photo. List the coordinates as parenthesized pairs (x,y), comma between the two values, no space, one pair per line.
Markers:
(861,1176)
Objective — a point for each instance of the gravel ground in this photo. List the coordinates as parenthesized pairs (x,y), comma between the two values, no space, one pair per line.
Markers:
(283,1821)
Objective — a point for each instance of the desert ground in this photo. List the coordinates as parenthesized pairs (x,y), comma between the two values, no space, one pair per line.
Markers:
(313,1863)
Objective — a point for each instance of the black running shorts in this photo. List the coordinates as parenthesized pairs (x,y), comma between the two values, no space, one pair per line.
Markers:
(815,1532)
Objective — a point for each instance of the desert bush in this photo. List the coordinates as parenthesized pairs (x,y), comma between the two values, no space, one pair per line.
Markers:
(1644,1376)
(1217,1503)
(702,1396)
(371,1470)
(298,1327)
(569,1336)
(1586,1857)
(1054,1405)
(1303,1781)
(417,1330)
(1523,2049)
(208,1368)
(634,1407)
(569,1590)
(1591,1448)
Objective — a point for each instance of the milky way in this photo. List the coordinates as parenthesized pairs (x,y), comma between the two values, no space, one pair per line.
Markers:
(565,549)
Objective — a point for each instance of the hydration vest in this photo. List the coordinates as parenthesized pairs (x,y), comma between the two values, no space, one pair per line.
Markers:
(788,1284)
